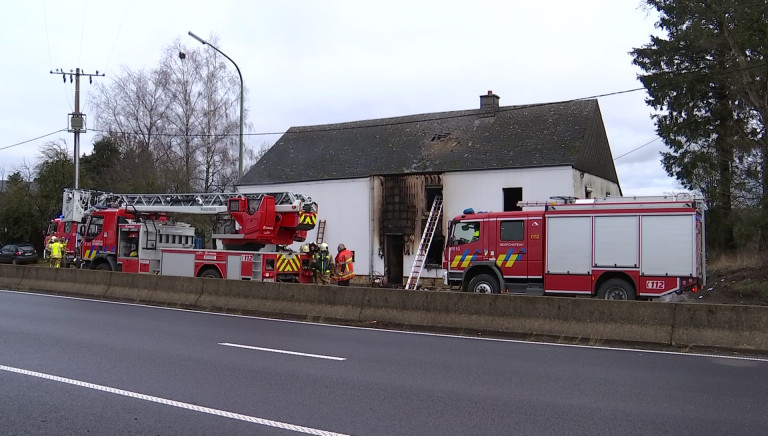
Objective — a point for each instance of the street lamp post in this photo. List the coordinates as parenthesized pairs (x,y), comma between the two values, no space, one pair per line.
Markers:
(204,42)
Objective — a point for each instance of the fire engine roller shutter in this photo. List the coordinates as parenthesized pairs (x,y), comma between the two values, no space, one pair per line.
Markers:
(668,245)
(177,264)
(234,266)
(617,241)
(569,245)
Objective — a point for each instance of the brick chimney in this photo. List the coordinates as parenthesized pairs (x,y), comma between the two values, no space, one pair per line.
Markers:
(489,104)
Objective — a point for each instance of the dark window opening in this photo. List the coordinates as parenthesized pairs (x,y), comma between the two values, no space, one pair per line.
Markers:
(512,231)
(511,197)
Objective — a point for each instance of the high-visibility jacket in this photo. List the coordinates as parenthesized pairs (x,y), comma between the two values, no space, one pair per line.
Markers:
(344,265)
(56,249)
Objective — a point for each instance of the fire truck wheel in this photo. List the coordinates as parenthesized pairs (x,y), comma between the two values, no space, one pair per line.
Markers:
(484,284)
(103,266)
(616,289)
(210,273)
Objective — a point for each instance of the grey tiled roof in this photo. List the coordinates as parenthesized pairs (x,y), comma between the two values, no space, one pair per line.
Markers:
(556,134)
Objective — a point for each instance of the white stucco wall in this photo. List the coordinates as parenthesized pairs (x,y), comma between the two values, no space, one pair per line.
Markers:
(598,186)
(345,206)
(482,190)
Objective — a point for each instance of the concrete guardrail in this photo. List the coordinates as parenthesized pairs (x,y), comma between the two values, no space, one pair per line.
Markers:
(684,325)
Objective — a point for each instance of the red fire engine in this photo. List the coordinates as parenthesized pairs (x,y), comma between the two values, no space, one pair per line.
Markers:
(132,233)
(615,248)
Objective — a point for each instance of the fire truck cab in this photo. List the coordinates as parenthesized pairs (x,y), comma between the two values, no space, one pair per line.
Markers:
(614,248)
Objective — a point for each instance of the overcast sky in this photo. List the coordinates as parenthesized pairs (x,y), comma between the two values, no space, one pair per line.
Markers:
(316,62)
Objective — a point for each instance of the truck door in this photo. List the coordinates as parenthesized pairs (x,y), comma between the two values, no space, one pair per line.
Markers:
(93,242)
(512,257)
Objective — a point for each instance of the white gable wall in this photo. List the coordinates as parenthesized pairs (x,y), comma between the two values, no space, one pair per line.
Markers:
(345,206)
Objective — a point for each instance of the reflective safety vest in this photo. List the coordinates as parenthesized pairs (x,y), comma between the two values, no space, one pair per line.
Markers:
(344,266)
(56,249)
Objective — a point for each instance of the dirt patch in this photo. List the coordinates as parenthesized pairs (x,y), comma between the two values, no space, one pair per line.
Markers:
(735,285)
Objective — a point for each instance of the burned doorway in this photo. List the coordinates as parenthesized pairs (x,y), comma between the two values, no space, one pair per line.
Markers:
(435,254)
(393,259)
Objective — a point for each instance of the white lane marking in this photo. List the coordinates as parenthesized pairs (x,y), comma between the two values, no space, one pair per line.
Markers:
(179,404)
(273,350)
(385,331)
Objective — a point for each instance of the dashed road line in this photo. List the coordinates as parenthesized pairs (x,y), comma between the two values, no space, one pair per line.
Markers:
(273,350)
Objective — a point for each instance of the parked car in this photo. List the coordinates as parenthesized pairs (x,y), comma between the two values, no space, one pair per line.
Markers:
(18,254)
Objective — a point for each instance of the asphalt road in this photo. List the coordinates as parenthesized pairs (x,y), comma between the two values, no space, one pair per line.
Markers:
(71,366)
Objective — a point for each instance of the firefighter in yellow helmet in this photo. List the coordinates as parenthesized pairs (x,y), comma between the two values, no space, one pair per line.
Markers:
(321,265)
(57,251)
(49,250)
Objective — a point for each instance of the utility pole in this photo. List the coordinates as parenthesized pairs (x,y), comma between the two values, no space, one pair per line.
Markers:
(76,118)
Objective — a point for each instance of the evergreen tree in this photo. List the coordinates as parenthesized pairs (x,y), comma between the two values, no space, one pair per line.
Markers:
(702,79)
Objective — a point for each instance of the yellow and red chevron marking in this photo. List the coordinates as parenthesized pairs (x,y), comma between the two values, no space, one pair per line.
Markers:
(94,250)
(288,263)
(508,259)
(463,259)
(309,218)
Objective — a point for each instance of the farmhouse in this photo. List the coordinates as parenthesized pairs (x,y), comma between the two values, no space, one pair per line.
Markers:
(375,180)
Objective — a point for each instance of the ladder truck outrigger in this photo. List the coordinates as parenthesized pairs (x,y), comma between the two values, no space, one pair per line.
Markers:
(133,233)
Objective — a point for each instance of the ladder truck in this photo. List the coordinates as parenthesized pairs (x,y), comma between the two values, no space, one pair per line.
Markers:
(133,233)
(614,248)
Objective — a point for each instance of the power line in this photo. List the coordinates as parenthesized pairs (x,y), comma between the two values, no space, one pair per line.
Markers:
(638,148)
(33,139)
(384,122)
(326,127)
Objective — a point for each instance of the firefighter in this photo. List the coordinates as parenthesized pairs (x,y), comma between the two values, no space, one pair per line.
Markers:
(344,269)
(56,252)
(49,250)
(476,234)
(321,264)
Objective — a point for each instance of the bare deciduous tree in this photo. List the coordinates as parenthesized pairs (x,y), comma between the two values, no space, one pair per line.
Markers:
(176,126)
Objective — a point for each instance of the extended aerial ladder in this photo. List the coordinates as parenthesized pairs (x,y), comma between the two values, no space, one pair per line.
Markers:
(277,218)
(78,202)
(426,242)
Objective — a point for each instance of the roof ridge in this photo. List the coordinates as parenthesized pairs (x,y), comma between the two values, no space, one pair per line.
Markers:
(426,116)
